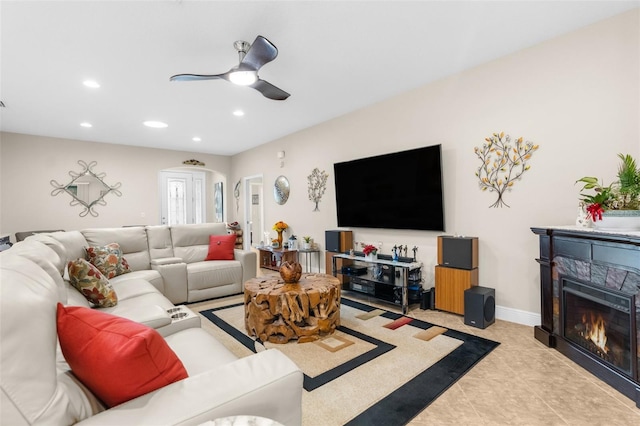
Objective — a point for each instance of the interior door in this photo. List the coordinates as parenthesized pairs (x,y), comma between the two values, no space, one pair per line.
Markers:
(182,197)
(253,211)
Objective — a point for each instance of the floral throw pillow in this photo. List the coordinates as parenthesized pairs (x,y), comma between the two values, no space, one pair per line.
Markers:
(88,280)
(108,259)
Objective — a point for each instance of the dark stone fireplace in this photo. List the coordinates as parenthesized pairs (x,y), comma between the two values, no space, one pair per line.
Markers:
(590,296)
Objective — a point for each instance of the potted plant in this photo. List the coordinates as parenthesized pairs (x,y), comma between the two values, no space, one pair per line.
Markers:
(616,206)
(370,251)
(307,242)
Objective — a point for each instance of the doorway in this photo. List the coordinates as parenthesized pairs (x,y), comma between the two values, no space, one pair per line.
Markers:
(182,197)
(253,211)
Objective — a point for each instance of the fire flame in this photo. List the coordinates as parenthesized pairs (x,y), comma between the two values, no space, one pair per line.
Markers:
(595,331)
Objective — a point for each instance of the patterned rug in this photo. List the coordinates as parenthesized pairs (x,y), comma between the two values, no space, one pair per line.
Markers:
(379,367)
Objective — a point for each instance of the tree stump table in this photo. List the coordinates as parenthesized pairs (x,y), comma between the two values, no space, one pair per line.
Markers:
(278,312)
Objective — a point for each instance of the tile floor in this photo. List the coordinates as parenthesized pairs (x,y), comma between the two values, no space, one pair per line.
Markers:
(521,382)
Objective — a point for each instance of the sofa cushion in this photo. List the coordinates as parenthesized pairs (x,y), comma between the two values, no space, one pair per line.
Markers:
(45,257)
(150,275)
(132,240)
(160,245)
(199,351)
(108,259)
(91,283)
(221,247)
(204,275)
(116,358)
(60,261)
(73,241)
(191,242)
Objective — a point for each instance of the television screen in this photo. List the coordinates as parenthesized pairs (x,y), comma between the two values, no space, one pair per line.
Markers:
(402,190)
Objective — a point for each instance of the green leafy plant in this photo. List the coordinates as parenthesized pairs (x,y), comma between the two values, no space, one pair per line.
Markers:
(624,194)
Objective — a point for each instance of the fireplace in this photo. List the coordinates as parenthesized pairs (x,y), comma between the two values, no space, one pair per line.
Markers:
(600,322)
(590,302)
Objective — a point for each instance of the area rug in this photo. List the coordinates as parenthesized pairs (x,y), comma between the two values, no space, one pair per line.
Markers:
(375,369)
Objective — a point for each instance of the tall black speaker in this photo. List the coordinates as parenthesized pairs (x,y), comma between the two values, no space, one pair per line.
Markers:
(479,306)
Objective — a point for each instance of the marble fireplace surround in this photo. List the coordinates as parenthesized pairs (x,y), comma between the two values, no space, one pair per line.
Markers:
(601,259)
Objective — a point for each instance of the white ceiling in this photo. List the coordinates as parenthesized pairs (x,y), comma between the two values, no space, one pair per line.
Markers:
(334,57)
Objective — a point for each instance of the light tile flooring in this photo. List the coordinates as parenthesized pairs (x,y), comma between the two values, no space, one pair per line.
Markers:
(521,382)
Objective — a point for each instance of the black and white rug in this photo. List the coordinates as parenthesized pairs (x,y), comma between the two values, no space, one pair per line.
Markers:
(379,367)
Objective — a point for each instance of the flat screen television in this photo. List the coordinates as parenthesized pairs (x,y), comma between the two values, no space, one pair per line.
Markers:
(401,190)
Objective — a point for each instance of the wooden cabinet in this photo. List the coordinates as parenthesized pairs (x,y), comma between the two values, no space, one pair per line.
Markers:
(450,286)
(337,242)
(272,258)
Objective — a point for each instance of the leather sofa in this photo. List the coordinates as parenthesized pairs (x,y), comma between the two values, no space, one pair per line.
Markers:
(39,387)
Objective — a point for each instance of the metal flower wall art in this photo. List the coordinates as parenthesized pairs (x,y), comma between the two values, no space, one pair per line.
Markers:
(503,163)
(317,185)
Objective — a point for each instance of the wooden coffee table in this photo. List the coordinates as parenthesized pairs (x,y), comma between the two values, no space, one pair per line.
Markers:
(278,312)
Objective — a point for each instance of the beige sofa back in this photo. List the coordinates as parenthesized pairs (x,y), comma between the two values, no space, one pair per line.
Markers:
(160,245)
(132,240)
(191,242)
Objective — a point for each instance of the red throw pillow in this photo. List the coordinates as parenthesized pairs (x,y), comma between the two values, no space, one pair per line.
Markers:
(221,247)
(116,358)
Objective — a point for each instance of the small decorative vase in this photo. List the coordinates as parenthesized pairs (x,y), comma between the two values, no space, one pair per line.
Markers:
(371,256)
(279,238)
(291,272)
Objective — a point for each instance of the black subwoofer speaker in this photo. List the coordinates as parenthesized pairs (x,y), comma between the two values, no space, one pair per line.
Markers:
(458,252)
(479,306)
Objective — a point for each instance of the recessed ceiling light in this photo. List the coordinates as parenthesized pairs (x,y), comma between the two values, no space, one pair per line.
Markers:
(85,124)
(156,124)
(238,113)
(91,83)
(196,139)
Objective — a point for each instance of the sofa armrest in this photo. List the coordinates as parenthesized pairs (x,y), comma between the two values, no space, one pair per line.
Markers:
(152,316)
(174,276)
(166,261)
(267,384)
(249,262)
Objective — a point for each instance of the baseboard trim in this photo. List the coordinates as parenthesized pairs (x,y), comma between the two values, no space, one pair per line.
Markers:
(518,316)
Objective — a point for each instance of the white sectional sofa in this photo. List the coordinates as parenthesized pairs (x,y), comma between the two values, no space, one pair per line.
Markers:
(168,267)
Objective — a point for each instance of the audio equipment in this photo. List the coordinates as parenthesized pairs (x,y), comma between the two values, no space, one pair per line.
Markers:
(338,241)
(427,299)
(479,306)
(458,252)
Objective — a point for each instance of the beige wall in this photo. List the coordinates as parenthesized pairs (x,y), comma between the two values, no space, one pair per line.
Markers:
(28,163)
(576,96)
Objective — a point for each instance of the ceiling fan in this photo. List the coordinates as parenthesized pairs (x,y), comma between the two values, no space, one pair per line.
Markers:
(252,58)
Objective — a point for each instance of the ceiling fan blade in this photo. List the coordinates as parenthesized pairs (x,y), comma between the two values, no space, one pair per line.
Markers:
(195,77)
(261,52)
(270,91)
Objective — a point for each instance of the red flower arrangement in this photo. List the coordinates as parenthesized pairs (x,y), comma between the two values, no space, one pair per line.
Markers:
(369,249)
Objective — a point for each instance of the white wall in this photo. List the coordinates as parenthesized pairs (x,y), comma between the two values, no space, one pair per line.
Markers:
(28,163)
(576,96)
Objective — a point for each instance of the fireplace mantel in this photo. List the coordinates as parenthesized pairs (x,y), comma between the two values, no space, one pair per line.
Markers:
(613,260)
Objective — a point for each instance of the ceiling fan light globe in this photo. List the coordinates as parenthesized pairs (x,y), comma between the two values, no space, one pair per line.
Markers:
(243,78)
